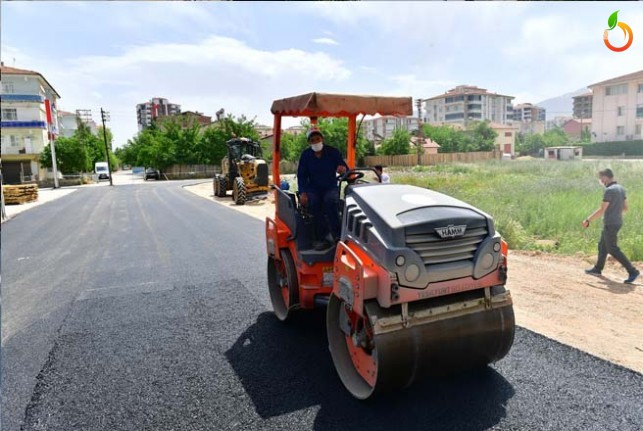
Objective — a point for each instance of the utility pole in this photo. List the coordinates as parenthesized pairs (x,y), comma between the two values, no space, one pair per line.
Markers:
(420,144)
(104,115)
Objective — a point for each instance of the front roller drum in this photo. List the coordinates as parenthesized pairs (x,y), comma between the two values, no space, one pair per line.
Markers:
(368,364)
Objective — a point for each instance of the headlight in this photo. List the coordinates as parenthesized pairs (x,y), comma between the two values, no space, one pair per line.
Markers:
(412,272)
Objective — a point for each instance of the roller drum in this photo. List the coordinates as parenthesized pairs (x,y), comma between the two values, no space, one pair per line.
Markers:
(440,347)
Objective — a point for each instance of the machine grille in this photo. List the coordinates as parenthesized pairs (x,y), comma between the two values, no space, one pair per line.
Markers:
(434,250)
(357,222)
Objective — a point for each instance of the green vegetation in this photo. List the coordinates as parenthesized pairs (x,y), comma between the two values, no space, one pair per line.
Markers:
(335,131)
(184,141)
(538,204)
(79,152)
(534,142)
(478,136)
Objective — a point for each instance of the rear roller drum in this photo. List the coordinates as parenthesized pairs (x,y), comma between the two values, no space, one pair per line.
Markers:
(283,284)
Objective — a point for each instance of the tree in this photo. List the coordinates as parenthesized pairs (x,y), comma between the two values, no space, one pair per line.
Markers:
(555,137)
(399,143)
(530,143)
(482,137)
(449,139)
(211,147)
(71,156)
(79,152)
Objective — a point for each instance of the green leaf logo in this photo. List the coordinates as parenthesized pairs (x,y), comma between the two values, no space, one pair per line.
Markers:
(612,20)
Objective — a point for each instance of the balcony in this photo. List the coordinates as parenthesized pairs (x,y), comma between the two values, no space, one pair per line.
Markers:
(24,124)
(22,98)
(13,150)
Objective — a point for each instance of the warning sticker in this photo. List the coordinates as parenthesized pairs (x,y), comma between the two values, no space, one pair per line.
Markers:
(328,276)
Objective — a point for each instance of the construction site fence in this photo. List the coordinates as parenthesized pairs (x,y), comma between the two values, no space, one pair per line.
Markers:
(178,172)
(431,159)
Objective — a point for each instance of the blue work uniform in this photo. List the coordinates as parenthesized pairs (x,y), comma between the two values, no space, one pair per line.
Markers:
(317,177)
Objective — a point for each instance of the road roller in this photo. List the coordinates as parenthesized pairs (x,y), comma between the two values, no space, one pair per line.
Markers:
(414,287)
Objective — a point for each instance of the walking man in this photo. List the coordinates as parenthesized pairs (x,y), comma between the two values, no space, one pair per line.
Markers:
(612,208)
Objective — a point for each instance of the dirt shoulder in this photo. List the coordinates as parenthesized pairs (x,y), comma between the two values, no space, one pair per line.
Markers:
(552,296)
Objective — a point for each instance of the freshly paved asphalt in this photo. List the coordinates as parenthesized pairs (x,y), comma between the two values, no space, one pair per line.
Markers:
(145,307)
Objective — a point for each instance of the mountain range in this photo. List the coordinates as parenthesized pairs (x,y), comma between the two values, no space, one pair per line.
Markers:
(561,105)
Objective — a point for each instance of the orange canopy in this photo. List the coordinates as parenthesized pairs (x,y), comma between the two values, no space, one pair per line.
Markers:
(341,105)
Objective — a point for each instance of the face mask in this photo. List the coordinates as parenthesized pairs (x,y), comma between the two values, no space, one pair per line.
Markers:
(317,147)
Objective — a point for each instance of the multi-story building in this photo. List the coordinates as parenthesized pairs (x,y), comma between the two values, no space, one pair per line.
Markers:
(529,118)
(68,122)
(155,108)
(583,105)
(527,112)
(466,103)
(380,128)
(617,108)
(28,103)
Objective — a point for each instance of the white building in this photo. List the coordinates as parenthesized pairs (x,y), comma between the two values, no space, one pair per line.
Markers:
(68,123)
(26,99)
(466,103)
(155,108)
(380,128)
(617,108)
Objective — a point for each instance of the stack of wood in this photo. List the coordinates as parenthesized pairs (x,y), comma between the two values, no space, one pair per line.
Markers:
(20,194)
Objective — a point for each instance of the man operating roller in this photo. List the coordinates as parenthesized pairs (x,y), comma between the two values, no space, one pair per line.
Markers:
(317,172)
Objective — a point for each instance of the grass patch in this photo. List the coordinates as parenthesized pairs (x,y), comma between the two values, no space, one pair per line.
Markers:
(539,204)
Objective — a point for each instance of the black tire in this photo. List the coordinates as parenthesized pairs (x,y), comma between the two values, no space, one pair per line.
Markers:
(239,191)
(283,285)
(221,186)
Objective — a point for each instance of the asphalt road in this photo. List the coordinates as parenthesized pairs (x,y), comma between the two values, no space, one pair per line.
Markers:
(145,307)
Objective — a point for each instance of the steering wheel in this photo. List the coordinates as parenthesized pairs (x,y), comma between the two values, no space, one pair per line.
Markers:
(350,176)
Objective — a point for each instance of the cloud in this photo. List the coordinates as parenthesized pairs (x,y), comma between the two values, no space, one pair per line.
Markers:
(216,72)
(325,41)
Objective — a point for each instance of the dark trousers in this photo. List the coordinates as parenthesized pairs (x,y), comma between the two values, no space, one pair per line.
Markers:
(324,207)
(608,244)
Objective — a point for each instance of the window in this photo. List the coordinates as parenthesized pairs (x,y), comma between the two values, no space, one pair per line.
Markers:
(640,88)
(507,134)
(8,88)
(620,130)
(9,114)
(457,116)
(620,111)
(638,130)
(639,111)
(614,90)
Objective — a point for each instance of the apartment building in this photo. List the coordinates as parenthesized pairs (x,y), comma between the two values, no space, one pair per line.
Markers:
(466,103)
(29,123)
(617,108)
(527,112)
(529,118)
(68,122)
(380,128)
(155,108)
(583,105)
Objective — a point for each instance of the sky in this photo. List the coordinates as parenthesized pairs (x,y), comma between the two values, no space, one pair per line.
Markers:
(240,56)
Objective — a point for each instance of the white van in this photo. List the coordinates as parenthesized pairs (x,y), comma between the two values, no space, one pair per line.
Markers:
(102,170)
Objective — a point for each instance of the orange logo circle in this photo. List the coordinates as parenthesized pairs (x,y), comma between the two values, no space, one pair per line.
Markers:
(627,32)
